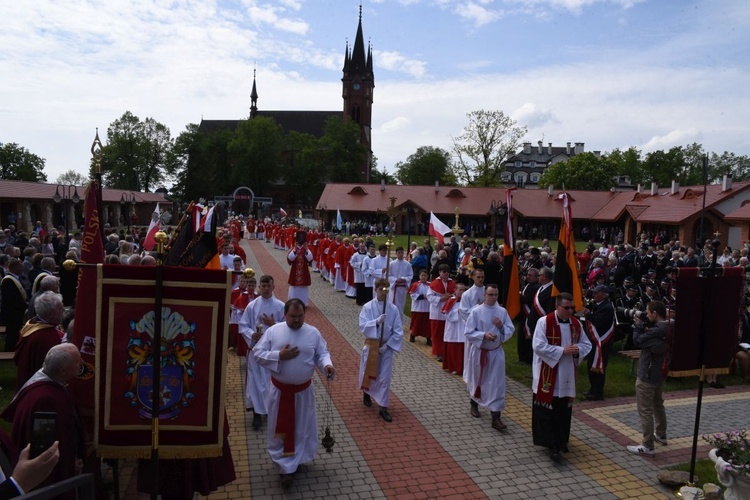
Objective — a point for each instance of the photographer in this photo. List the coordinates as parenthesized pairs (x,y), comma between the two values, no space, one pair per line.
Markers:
(648,387)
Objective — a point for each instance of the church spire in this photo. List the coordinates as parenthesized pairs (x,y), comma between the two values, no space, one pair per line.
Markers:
(358,61)
(253,99)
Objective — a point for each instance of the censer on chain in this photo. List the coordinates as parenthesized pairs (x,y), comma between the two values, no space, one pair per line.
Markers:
(328,440)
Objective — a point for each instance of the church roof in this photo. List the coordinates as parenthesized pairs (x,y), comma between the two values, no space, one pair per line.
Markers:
(306,122)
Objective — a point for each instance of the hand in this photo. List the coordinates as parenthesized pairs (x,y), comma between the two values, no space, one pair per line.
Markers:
(288,352)
(256,336)
(267,320)
(490,336)
(30,472)
(383,348)
(585,311)
(571,349)
(497,322)
(330,371)
(380,319)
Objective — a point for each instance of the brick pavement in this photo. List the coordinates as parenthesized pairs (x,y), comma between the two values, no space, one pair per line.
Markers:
(434,448)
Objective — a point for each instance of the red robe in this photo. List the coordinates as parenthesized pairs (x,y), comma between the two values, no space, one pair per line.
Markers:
(35,341)
(322,245)
(299,274)
(343,255)
(46,395)
(332,248)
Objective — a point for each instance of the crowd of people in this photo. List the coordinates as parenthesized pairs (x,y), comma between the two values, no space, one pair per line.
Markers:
(456,305)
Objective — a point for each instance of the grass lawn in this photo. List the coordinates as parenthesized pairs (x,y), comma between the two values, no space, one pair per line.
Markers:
(7,385)
(704,470)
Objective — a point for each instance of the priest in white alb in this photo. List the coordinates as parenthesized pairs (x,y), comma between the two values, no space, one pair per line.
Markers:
(291,351)
(489,326)
(380,323)
(559,345)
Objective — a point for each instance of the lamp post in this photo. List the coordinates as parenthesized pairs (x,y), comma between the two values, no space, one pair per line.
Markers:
(324,215)
(496,208)
(66,193)
(124,200)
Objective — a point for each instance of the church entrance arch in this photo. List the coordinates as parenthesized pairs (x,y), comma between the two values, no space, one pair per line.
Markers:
(243,200)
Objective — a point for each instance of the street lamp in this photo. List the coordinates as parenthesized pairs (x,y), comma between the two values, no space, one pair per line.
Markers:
(496,208)
(324,218)
(65,193)
(124,199)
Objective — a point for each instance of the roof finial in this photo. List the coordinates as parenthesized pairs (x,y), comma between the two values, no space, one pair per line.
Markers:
(254,63)
(360,10)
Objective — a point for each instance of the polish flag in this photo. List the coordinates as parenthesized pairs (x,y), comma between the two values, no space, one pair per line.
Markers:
(283,212)
(437,228)
(153,228)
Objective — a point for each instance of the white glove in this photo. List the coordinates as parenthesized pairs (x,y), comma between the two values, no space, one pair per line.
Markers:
(383,348)
(380,319)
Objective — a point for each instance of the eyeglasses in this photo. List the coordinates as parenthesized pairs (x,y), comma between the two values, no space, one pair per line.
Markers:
(568,308)
(491,294)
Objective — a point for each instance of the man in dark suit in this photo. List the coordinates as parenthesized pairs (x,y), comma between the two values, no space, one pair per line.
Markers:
(12,303)
(600,327)
(525,353)
(543,303)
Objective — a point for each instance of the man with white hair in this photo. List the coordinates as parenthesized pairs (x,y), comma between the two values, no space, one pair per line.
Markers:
(46,284)
(38,336)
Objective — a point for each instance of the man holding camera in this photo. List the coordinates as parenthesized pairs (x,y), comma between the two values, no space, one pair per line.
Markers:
(648,387)
(600,328)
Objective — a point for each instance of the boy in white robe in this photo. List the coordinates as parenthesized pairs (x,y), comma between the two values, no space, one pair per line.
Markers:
(373,322)
(469,300)
(487,328)
(291,351)
(400,274)
(260,314)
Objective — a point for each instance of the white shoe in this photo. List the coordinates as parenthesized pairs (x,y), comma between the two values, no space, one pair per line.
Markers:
(641,450)
(660,440)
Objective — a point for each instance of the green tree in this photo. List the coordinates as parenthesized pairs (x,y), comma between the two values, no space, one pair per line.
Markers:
(425,166)
(729,163)
(681,164)
(343,154)
(302,167)
(71,177)
(583,171)
(256,153)
(18,164)
(483,146)
(138,154)
(627,163)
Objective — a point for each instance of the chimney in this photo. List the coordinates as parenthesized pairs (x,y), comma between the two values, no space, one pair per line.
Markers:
(437,186)
(527,148)
(549,149)
(382,184)
(539,144)
(654,189)
(598,154)
(549,190)
(726,183)
(639,188)
(567,149)
(675,187)
(579,148)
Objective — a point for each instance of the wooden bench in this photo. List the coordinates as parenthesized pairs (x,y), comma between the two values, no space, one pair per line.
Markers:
(6,356)
(633,355)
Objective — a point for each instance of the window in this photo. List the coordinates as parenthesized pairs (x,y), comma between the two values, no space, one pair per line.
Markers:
(534,178)
(518,164)
(532,164)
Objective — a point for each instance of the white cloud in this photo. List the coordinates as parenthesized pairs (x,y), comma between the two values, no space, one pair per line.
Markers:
(532,116)
(395,125)
(677,137)
(477,14)
(394,61)
(268,14)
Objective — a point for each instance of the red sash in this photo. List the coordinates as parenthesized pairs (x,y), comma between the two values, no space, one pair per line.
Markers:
(448,305)
(548,374)
(285,422)
(598,341)
(482,363)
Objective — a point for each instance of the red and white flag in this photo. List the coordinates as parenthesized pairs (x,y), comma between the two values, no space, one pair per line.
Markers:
(153,228)
(282,212)
(437,228)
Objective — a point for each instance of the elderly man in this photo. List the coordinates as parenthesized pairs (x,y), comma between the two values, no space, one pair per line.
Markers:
(291,351)
(38,336)
(380,323)
(48,268)
(46,392)
(46,284)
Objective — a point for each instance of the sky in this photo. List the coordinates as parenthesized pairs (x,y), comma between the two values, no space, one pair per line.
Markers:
(609,73)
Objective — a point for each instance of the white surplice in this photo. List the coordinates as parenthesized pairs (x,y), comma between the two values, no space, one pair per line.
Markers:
(417,304)
(565,385)
(393,336)
(399,269)
(313,352)
(377,265)
(493,374)
(469,300)
(258,379)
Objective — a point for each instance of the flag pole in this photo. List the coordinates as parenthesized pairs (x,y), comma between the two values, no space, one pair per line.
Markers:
(180,227)
(161,238)
(391,212)
(97,154)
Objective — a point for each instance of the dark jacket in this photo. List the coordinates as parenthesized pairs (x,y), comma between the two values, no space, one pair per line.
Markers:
(653,344)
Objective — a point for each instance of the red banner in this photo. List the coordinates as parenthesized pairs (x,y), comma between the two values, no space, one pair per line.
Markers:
(195,318)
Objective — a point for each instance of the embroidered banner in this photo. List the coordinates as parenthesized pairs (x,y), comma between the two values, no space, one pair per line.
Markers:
(195,314)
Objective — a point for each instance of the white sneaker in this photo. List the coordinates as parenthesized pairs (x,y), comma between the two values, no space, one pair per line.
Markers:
(660,440)
(641,450)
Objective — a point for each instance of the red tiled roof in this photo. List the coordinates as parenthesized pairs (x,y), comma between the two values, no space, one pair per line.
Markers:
(44,192)
(740,215)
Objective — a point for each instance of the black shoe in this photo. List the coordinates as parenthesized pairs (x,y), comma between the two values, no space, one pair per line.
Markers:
(286,480)
(429,341)
(717,385)
(411,338)
(257,421)
(439,359)
(366,400)
(386,416)
(475,411)
(555,455)
(564,448)
(592,397)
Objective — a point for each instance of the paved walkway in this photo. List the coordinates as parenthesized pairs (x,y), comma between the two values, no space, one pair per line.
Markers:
(433,448)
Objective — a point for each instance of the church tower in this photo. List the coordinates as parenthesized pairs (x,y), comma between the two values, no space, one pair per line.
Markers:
(358,86)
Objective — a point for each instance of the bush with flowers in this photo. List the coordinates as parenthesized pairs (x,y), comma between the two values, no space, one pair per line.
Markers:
(733,447)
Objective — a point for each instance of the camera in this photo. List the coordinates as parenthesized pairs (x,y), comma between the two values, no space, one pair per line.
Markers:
(630,313)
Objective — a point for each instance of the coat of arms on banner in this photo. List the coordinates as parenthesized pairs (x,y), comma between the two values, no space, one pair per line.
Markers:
(177,364)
